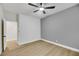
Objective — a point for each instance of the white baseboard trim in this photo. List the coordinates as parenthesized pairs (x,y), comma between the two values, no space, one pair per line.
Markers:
(64,46)
(21,43)
(55,43)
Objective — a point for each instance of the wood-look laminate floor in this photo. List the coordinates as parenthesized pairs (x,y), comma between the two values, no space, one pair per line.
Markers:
(39,48)
(12,44)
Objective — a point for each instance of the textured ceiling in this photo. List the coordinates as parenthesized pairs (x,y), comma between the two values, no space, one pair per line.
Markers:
(23,8)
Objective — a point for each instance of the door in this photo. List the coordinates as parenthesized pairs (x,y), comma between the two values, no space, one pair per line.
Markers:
(3,34)
(0,36)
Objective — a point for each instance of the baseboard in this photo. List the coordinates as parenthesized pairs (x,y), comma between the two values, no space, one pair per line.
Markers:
(64,46)
(21,43)
(55,43)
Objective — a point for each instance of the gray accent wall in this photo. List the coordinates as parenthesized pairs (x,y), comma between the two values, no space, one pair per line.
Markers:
(62,27)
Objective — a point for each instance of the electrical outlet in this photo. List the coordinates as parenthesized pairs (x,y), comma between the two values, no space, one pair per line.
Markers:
(56,40)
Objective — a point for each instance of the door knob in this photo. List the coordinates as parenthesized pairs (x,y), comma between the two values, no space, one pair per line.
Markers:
(3,36)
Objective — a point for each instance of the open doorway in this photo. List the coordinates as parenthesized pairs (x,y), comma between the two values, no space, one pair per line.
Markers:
(11,35)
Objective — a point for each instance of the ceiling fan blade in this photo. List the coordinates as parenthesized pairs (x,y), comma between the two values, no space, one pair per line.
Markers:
(44,12)
(35,10)
(51,7)
(32,5)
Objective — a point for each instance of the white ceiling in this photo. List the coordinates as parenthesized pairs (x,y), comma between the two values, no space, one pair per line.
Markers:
(23,8)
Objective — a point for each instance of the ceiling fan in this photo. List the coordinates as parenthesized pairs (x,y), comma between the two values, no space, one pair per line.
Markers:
(41,7)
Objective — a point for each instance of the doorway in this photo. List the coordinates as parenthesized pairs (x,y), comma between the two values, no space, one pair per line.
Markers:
(11,33)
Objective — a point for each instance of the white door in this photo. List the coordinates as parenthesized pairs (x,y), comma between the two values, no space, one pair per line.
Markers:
(4,34)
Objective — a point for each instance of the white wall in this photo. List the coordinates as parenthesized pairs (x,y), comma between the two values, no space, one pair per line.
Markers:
(1,16)
(11,30)
(29,29)
(9,16)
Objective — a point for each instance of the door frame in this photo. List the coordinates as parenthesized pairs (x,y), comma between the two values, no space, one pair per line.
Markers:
(3,34)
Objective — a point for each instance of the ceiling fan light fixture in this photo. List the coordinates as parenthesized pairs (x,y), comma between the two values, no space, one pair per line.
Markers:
(41,9)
